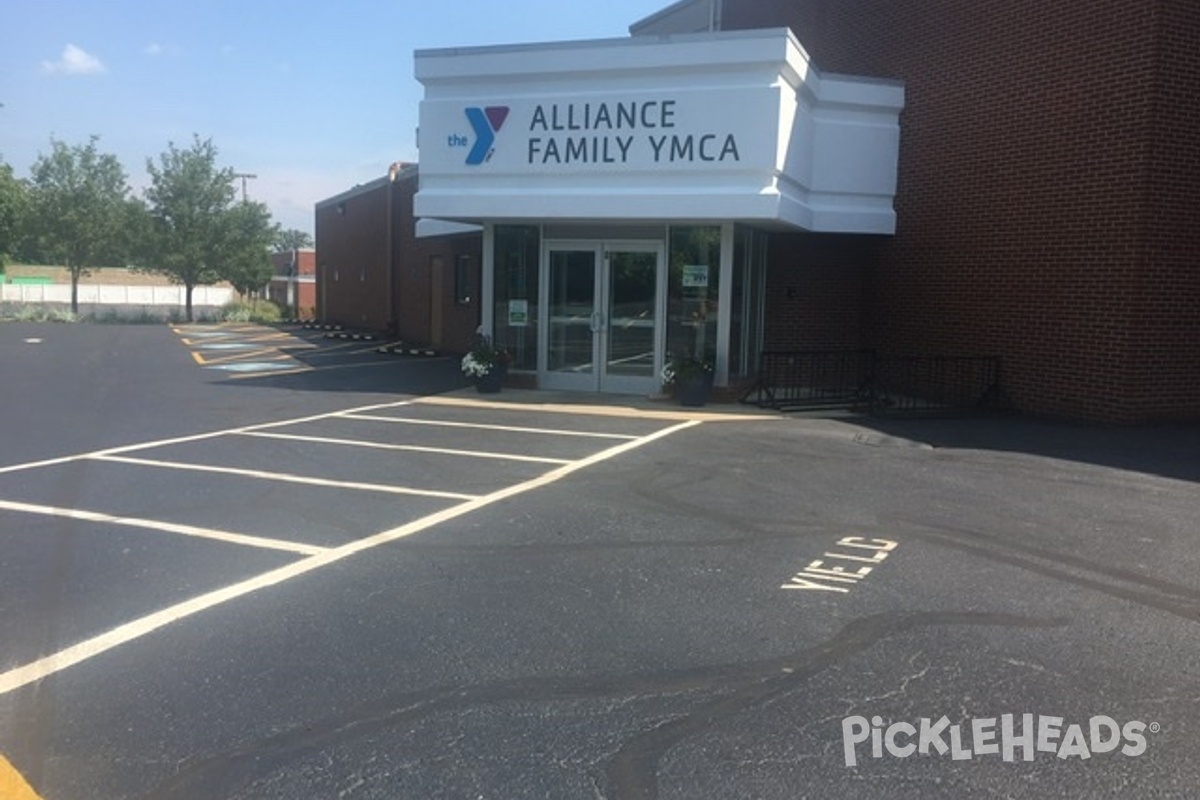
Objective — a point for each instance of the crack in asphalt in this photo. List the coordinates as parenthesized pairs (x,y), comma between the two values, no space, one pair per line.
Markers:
(632,772)
(1156,593)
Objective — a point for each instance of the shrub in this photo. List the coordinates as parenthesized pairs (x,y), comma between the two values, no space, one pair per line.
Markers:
(253,311)
(36,313)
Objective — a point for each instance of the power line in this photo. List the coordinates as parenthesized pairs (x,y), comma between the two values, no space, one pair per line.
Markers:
(245,176)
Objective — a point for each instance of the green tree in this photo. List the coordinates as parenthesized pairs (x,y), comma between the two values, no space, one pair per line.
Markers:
(136,233)
(292,239)
(78,198)
(14,199)
(246,249)
(198,230)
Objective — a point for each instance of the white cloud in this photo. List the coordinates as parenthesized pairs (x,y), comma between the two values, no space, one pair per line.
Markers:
(155,49)
(74,61)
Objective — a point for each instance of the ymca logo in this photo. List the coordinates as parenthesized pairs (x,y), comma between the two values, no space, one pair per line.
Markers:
(486,123)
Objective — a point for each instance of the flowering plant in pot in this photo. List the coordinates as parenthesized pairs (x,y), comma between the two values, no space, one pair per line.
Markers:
(692,377)
(486,364)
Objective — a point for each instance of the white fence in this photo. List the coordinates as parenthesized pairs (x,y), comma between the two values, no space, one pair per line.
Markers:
(92,294)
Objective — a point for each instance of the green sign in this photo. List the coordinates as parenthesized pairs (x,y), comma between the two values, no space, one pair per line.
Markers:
(695,276)
(518,313)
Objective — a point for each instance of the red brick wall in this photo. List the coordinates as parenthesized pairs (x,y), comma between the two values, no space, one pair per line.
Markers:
(1045,206)
(352,259)
(306,291)
(353,267)
(1168,338)
(454,324)
(815,291)
(304,298)
(306,262)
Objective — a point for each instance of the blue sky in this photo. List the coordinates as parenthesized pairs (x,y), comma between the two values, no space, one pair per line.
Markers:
(312,97)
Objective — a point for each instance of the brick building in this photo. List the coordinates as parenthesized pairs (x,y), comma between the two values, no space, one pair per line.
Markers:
(374,272)
(293,284)
(626,189)
(1047,207)
(1005,178)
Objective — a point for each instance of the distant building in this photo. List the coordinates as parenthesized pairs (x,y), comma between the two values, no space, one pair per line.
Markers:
(294,283)
(374,272)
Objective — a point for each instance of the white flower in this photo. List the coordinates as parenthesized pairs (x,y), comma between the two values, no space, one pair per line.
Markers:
(473,368)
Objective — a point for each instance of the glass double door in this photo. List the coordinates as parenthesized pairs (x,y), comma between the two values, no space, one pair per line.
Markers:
(602,329)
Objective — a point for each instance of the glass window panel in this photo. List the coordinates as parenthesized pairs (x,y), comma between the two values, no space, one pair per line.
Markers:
(633,278)
(694,270)
(572,306)
(517,249)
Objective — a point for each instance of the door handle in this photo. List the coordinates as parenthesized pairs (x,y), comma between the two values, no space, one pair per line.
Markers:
(597,322)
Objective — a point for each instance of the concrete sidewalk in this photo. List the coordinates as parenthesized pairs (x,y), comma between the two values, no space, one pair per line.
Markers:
(1168,450)
(608,404)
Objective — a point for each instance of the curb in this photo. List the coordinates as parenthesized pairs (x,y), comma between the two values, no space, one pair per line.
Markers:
(357,337)
(402,349)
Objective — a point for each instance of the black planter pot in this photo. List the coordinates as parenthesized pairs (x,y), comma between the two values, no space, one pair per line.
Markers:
(493,381)
(693,390)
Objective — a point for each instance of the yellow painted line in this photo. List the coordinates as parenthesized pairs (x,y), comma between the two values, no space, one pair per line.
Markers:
(284,477)
(235,338)
(55,662)
(165,527)
(242,355)
(193,330)
(411,448)
(485,426)
(12,785)
(628,412)
(333,348)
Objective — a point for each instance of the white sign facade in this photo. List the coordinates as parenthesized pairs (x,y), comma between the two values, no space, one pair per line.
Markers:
(719,127)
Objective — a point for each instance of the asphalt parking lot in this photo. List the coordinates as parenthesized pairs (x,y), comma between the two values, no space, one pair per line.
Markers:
(346,577)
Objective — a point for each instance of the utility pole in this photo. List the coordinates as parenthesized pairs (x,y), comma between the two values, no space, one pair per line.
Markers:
(244,176)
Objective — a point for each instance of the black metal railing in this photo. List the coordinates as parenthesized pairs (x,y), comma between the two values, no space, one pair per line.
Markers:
(935,385)
(886,385)
(796,380)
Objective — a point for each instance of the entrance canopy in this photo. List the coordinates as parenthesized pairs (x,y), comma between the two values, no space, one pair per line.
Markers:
(734,126)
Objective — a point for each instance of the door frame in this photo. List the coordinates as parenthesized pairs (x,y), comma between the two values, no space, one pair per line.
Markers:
(598,380)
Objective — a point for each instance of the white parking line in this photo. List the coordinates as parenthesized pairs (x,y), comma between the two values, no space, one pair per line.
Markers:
(166,527)
(286,478)
(484,426)
(199,437)
(55,662)
(407,447)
